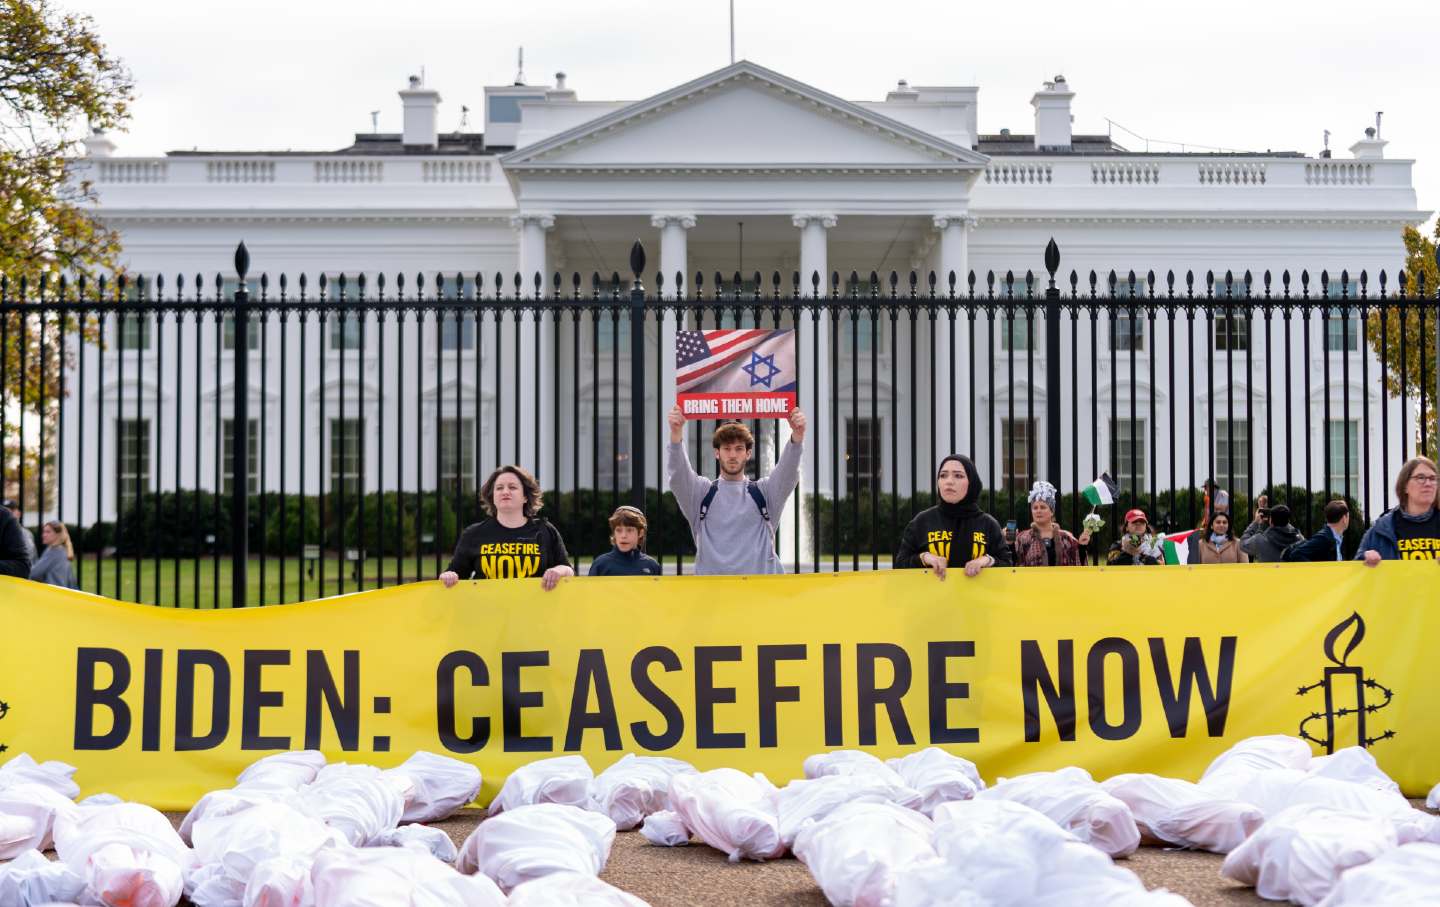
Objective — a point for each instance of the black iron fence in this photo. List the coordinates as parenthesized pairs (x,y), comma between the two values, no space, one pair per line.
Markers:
(254,441)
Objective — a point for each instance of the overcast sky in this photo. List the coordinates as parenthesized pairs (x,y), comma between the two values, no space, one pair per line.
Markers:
(1253,75)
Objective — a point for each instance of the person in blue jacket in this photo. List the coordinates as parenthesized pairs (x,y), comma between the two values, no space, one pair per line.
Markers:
(1410,532)
(1327,543)
(627,535)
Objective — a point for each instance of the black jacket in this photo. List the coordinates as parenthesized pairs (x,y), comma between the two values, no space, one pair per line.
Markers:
(624,563)
(1269,546)
(14,555)
(958,532)
(1318,547)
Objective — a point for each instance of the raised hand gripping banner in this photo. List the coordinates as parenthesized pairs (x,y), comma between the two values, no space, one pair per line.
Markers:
(744,373)
(1113,669)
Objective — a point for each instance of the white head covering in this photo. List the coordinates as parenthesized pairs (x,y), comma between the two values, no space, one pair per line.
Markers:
(1044,492)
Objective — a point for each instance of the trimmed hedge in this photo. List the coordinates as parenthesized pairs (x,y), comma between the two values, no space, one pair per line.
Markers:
(389,524)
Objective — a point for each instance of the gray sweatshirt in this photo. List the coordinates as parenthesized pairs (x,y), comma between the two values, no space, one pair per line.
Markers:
(53,568)
(734,539)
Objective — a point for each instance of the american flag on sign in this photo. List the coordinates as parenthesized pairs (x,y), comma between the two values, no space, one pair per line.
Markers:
(735,369)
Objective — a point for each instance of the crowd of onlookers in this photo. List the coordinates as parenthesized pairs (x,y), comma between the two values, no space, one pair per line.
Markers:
(734,519)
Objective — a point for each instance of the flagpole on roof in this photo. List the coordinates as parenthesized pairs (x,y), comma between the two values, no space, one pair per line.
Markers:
(732,32)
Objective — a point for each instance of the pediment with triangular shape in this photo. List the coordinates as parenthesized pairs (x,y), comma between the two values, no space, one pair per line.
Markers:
(743,117)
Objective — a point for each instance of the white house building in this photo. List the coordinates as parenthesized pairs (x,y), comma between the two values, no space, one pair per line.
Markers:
(742,170)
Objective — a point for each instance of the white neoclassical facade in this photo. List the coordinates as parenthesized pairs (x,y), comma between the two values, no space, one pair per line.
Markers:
(742,170)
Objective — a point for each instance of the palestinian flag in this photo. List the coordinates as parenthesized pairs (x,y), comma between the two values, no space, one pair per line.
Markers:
(1177,547)
(1101,491)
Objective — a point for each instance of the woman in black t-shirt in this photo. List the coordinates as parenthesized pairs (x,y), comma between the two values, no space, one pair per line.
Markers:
(514,543)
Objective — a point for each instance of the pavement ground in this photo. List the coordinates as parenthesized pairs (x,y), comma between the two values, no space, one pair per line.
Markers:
(700,875)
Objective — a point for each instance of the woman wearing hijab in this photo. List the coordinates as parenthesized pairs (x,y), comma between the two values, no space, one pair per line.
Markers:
(1219,546)
(1045,544)
(955,532)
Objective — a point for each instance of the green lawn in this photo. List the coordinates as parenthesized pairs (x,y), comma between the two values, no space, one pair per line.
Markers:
(193,584)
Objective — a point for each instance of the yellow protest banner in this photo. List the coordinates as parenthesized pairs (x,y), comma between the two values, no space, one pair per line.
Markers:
(1129,669)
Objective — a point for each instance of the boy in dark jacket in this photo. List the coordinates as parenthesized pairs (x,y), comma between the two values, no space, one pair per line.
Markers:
(956,532)
(627,534)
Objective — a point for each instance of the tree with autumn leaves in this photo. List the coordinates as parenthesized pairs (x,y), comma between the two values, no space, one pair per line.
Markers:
(57,82)
(1393,329)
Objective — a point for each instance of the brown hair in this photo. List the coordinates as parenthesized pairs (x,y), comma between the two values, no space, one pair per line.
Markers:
(1408,470)
(62,538)
(628,516)
(1335,511)
(534,497)
(732,433)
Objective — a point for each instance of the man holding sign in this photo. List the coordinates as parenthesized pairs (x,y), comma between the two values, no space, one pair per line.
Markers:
(729,374)
(732,518)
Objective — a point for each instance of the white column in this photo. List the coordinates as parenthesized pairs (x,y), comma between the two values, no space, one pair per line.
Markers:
(952,255)
(814,250)
(674,258)
(674,253)
(814,397)
(532,260)
(954,250)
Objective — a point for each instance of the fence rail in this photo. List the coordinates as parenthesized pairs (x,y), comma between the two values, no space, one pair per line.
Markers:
(370,409)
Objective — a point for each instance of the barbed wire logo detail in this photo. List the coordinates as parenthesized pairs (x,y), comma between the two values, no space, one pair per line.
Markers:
(1339,677)
(4,710)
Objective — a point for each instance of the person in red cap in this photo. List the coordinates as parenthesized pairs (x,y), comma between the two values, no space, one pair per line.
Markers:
(1138,545)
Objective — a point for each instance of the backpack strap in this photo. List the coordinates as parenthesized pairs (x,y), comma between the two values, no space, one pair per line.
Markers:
(758,497)
(709,499)
(751,489)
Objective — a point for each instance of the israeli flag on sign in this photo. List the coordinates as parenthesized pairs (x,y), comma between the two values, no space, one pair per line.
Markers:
(735,361)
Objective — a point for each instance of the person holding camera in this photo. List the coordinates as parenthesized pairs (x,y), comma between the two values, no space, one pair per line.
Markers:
(1261,520)
(1268,547)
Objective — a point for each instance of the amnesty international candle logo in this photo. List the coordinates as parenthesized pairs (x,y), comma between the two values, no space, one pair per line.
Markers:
(509,560)
(1345,689)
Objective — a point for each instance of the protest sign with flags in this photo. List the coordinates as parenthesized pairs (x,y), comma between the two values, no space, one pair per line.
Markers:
(1101,491)
(1177,547)
(735,374)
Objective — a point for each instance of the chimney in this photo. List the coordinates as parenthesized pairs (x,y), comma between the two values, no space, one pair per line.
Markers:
(420,115)
(1370,148)
(98,144)
(1052,115)
(560,92)
(903,92)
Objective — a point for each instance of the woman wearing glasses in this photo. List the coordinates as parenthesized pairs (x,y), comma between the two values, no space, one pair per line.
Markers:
(1410,532)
